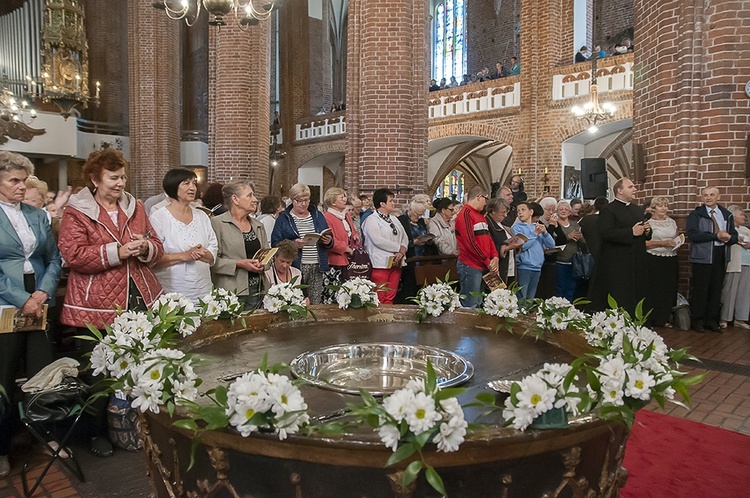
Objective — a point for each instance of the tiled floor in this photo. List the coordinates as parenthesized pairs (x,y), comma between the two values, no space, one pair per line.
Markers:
(722,400)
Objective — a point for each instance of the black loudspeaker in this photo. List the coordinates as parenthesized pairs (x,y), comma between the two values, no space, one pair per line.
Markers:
(593,177)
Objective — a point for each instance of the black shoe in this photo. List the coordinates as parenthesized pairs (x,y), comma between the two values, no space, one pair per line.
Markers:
(101,447)
(697,326)
(713,326)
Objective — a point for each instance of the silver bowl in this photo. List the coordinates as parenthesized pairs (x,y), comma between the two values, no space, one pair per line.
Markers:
(378,368)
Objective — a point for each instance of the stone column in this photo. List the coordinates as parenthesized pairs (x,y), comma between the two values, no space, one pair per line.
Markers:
(386,109)
(239,104)
(154,77)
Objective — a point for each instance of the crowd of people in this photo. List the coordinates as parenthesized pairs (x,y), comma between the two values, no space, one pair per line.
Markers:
(117,254)
(622,47)
(500,71)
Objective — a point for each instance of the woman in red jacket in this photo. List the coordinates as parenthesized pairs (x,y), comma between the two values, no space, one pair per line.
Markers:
(345,238)
(108,242)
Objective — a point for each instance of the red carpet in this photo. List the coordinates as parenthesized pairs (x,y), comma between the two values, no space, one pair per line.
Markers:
(671,457)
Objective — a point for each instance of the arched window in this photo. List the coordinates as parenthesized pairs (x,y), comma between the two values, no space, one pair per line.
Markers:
(452,186)
(449,56)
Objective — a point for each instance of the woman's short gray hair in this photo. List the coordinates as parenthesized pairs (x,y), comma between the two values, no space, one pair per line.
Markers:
(563,202)
(734,209)
(10,161)
(417,206)
(235,188)
(496,203)
(548,201)
(297,190)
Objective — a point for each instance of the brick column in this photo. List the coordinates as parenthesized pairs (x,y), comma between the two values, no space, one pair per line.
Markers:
(386,109)
(154,78)
(239,104)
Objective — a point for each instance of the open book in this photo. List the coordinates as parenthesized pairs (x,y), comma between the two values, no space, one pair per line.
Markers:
(11,320)
(265,255)
(493,281)
(312,239)
(425,238)
(518,238)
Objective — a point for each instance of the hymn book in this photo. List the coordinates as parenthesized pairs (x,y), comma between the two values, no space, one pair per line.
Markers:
(264,255)
(11,320)
(312,239)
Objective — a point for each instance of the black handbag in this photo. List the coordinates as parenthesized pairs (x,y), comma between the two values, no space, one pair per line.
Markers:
(583,264)
(359,264)
(57,403)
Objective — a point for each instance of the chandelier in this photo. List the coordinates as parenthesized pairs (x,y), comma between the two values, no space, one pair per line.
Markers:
(65,66)
(12,109)
(593,113)
(246,12)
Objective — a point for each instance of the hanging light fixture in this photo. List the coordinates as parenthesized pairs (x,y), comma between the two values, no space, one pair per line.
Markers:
(593,113)
(246,12)
(13,109)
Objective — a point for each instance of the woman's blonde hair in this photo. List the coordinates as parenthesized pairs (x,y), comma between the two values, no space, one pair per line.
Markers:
(298,189)
(331,195)
(34,182)
(660,200)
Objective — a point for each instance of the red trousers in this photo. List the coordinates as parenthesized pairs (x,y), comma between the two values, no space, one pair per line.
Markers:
(390,278)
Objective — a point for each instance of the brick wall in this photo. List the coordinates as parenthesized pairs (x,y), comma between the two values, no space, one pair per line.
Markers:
(612,17)
(108,59)
(491,35)
(154,80)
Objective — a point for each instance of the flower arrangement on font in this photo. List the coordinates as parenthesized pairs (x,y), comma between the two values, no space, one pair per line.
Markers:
(357,292)
(629,365)
(420,413)
(287,296)
(435,299)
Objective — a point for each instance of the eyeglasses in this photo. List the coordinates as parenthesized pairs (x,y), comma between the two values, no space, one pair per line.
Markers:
(485,197)
(302,201)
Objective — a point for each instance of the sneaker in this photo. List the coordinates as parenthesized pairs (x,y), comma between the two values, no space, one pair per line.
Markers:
(4,466)
(722,324)
(742,325)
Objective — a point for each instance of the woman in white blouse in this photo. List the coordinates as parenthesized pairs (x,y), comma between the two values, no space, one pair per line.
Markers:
(190,244)
(385,238)
(661,264)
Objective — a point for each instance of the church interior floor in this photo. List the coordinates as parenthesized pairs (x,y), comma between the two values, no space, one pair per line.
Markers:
(721,400)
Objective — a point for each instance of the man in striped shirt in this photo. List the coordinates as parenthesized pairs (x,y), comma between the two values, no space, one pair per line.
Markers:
(476,250)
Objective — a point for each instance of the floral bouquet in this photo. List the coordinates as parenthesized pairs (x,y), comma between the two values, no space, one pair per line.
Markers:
(411,417)
(356,293)
(539,393)
(258,400)
(221,304)
(502,303)
(435,299)
(176,310)
(556,313)
(287,296)
(132,354)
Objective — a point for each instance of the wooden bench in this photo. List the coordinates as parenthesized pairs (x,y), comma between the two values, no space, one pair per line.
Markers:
(434,267)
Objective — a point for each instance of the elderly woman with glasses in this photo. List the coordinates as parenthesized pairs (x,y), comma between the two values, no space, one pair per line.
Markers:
(420,244)
(301,218)
(497,211)
(386,242)
(661,264)
(443,227)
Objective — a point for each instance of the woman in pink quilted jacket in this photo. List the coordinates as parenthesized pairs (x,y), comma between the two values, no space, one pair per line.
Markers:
(109,244)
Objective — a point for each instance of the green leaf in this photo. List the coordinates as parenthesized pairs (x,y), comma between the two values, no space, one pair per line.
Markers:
(186,423)
(368,398)
(431,381)
(258,419)
(193,449)
(435,480)
(422,438)
(402,453)
(593,380)
(448,392)
(487,398)
(410,473)
(611,302)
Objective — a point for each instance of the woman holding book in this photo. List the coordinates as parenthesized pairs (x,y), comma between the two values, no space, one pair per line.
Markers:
(661,264)
(239,238)
(505,243)
(190,244)
(29,272)
(303,224)
(345,237)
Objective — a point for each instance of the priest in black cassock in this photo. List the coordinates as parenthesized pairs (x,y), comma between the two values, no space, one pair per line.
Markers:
(620,266)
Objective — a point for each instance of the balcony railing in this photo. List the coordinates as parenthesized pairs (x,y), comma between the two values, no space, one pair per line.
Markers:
(490,95)
(326,125)
(613,74)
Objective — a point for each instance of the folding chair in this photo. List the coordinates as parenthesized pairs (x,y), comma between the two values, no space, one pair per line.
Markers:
(40,412)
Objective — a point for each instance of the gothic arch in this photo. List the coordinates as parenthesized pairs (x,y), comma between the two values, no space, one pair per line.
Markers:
(305,153)
(468,128)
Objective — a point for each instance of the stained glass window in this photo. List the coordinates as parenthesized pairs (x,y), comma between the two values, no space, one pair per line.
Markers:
(449,57)
(452,186)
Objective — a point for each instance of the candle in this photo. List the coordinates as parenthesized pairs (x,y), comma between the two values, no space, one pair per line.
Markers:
(28,84)
(519,171)
(78,83)
(545,171)
(98,86)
